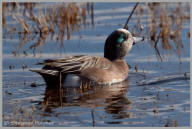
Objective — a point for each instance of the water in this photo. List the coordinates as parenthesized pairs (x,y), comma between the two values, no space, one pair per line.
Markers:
(155,93)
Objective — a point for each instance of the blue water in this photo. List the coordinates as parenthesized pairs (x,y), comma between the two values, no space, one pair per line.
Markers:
(130,103)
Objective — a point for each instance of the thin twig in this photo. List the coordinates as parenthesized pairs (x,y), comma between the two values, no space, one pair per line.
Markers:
(126,24)
(93,118)
(155,46)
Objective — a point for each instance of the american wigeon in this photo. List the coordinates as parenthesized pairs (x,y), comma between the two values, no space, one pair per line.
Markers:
(112,68)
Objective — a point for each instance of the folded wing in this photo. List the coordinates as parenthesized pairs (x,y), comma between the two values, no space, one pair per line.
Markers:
(68,65)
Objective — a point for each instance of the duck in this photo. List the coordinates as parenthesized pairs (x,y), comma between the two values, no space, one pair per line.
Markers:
(107,70)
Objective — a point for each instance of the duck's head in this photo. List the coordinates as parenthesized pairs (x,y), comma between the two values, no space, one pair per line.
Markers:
(119,43)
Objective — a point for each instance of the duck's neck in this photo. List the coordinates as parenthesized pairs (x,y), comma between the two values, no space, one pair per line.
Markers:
(112,56)
(122,66)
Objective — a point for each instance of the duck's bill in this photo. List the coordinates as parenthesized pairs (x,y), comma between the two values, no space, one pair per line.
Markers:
(138,39)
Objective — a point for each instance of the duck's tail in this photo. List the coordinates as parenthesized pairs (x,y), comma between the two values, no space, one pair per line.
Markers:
(51,77)
(44,72)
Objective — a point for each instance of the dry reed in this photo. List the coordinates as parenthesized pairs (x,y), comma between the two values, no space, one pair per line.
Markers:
(166,21)
(36,20)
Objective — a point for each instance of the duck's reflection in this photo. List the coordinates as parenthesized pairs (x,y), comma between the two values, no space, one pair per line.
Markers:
(112,98)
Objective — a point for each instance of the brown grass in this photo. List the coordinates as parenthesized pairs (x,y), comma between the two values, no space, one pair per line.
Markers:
(170,23)
(166,22)
(54,20)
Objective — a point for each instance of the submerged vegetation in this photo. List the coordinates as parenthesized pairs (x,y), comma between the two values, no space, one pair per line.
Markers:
(171,27)
(166,21)
(40,21)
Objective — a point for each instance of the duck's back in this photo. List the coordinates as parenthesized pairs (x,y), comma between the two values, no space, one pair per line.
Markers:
(67,65)
(94,68)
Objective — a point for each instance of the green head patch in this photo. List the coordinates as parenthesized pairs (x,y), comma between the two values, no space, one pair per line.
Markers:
(120,39)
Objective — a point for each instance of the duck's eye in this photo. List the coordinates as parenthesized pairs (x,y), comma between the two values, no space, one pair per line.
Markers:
(120,39)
